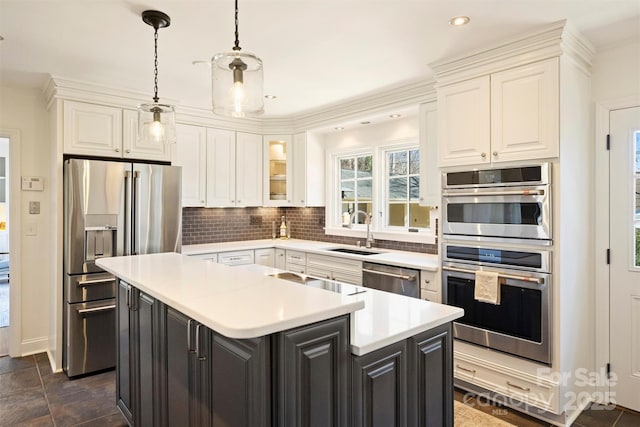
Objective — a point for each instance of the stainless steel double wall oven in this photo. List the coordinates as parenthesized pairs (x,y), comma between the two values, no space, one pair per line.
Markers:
(500,220)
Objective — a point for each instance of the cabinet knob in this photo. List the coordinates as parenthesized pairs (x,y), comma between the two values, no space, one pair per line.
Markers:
(201,201)
(288,201)
(301,201)
(231,201)
(117,150)
(128,151)
(495,154)
(239,201)
(427,281)
(421,199)
(483,155)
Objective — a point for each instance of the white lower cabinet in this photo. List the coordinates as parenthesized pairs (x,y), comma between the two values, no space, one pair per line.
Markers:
(520,385)
(265,257)
(430,288)
(206,257)
(280,262)
(296,262)
(236,258)
(335,268)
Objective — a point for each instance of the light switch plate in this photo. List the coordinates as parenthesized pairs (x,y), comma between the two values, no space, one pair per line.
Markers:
(34,208)
(32,183)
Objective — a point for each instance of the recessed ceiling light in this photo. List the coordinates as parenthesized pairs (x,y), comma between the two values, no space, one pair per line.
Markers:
(338,128)
(270,96)
(365,123)
(394,116)
(458,21)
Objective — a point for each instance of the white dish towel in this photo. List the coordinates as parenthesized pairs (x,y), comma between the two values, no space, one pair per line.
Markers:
(487,288)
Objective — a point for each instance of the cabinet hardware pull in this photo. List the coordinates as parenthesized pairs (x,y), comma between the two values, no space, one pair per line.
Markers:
(409,277)
(128,296)
(301,201)
(518,386)
(128,151)
(95,281)
(538,280)
(189,336)
(427,281)
(496,193)
(239,201)
(117,150)
(495,154)
(462,368)
(483,155)
(198,343)
(201,201)
(97,309)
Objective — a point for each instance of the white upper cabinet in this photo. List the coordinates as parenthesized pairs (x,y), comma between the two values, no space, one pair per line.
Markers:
(190,152)
(234,169)
(277,170)
(308,170)
(507,116)
(248,169)
(429,172)
(525,112)
(100,130)
(221,168)
(463,123)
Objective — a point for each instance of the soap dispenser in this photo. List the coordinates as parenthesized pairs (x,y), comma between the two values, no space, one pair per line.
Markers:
(283,229)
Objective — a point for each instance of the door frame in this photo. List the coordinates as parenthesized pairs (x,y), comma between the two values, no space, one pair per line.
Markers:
(602,269)
(15,227)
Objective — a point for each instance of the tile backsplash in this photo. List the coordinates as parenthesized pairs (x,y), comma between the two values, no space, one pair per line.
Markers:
(215,225)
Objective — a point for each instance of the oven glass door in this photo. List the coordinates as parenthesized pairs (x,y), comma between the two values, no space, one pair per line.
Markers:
(519,214)
(519,325)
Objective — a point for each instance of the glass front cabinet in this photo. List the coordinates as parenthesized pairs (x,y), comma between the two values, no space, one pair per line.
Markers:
(278,170)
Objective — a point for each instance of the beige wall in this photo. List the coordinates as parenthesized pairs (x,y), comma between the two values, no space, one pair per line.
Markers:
(616,72)
(24,110)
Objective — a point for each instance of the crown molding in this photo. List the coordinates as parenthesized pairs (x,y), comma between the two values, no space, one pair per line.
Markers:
(557,39)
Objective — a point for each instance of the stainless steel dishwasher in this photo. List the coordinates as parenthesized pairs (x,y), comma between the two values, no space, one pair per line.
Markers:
(403,281)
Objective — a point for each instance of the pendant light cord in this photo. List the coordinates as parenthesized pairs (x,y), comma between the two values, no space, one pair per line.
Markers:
(155,66)
(237,44)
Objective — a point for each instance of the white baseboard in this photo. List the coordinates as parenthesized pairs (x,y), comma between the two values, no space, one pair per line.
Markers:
(34,346)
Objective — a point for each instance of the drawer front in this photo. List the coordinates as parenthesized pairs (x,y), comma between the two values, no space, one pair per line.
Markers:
(520,386)
(206,257)
(295,257)
(236,258)
(351,277)
(334,263)
(296,268)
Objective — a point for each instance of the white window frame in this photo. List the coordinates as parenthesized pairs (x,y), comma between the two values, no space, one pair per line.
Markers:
(378,151)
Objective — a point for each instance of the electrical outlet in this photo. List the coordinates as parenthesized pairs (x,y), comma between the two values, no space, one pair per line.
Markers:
(255,220)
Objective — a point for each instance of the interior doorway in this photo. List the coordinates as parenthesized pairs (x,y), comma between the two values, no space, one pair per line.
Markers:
(4,246)
(624,237)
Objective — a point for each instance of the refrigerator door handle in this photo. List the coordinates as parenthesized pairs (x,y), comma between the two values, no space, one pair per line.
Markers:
(127,210)
(134,213)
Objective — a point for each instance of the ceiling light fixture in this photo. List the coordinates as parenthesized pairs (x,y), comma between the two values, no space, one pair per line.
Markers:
(458,21)
(236,79)
(156,122)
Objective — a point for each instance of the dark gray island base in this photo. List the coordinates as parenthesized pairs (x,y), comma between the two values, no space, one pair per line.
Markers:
(174,371)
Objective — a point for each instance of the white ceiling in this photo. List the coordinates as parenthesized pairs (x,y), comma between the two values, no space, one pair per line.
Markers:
(315,52)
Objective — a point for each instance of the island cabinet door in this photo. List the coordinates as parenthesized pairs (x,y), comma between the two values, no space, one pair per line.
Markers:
(379,387)
(430,378)
(139,378)
(313,375)
(240,381)
(188,377)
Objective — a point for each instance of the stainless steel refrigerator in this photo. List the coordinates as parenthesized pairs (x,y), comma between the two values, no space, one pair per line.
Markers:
(110,209)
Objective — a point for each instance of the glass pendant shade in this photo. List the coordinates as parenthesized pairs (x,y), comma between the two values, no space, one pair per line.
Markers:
(156,124)
(237,84)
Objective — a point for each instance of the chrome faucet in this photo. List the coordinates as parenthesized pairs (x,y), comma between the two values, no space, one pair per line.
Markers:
(367,221)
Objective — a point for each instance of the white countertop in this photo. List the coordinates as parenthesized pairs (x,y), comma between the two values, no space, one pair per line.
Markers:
(235,302)
(244,302)
(407,259)
(386,318)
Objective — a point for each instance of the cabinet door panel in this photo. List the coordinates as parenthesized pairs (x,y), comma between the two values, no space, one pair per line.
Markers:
(430,395)
(379,387)
(190,152)
(177,368)
(241,386)
(463,123)
(265,257)
(277,170)
(429,173)
(248,169)
(221,168)
(146,378)
(124,372)
(91,129)
(525,112)
(134,149)
(314,374)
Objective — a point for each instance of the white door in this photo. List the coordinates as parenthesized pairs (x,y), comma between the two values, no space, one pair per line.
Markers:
(625,256)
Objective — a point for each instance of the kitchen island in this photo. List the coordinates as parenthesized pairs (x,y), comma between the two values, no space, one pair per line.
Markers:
(202,343)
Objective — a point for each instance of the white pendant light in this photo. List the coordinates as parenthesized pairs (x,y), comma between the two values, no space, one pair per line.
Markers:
(156,122)
(236,81)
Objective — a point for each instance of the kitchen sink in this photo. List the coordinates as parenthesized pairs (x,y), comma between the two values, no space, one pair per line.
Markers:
(353,251)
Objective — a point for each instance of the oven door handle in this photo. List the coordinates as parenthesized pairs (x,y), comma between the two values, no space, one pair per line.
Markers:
(538,280)
(495,193)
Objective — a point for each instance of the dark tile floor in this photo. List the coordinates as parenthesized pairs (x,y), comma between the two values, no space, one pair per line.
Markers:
(31,395)
(595,416)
